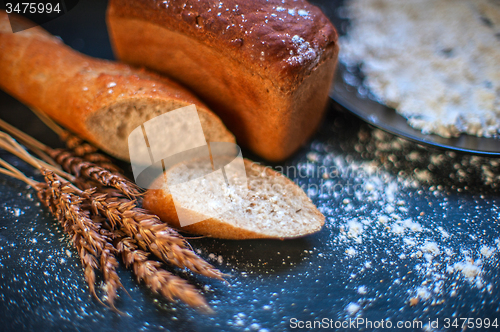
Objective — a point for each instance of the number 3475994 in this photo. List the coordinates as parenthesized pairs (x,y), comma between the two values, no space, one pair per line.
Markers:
(32,8)
(463,323)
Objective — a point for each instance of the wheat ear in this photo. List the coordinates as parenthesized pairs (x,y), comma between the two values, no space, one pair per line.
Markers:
(152,234)
(68,203)
(85,169)
(76,165)
(85,252)
(157,279)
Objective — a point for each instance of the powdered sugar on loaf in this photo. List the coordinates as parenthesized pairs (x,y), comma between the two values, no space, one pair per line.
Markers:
(435,61)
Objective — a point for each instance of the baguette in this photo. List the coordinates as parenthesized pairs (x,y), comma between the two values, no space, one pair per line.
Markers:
(274,207)
(99,100)
(265,67)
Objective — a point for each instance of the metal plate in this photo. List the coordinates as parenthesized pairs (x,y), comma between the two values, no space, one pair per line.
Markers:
(387,118)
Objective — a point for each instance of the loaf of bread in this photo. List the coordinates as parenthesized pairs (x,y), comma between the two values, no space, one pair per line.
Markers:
(264,66)
(99,100)
(273,207)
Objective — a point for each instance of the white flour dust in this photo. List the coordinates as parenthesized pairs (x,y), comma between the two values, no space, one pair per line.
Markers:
(435,61)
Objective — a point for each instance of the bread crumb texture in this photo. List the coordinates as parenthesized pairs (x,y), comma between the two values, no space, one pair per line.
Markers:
(273,205)
(435,61)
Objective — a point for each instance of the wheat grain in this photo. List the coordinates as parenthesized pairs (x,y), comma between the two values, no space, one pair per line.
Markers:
(85,169)
(67,202)
(88,152)
(85,213)
(85,252)
(151,234)
(158,279)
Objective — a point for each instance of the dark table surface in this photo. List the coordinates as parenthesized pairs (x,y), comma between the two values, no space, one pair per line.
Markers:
(423,225)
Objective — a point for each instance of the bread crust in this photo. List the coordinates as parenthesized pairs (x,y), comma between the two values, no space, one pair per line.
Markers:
(245,29)
(161,203)
(42,72)
(267,88)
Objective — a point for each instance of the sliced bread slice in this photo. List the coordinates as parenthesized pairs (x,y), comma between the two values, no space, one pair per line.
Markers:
(273,207)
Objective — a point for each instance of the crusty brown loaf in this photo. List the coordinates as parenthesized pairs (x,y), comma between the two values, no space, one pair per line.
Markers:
(100,100)
(264,67)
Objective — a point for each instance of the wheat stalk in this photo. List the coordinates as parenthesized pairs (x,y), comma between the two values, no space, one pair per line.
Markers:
(9,144)
(85,169)
(68,202)
(79,211)
(151,234)
(85,252)
(28,140)
(76,165)
(147,228)
(158,279)
(45,192)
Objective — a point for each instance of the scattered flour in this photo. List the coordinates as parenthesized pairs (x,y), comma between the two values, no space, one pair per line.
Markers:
(469,269)
(382,220)
(355,228)
(351,251)
(435,61)
(362,290)
(423,293)
(352,308)
(431,248)
(487,251)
